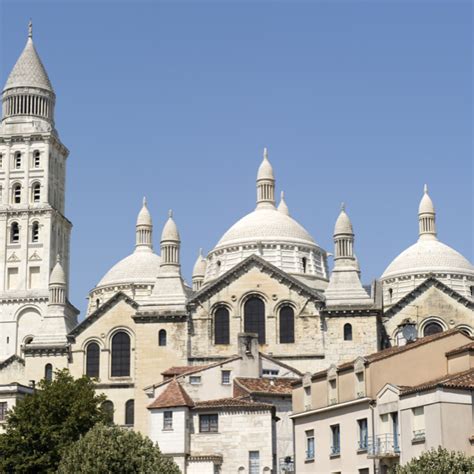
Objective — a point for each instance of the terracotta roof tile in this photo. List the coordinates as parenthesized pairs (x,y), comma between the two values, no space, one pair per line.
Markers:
(266,386)
(183,370)
(174,395)
(237,402)
(462,380)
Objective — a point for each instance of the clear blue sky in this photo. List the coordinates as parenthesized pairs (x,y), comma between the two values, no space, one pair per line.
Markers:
(357,101)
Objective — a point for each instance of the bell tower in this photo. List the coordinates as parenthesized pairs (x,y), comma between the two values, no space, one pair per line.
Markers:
(33,227)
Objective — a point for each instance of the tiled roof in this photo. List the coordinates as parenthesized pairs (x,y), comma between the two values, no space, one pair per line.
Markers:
(183,370)
(281,364)
(461,380)
(237,402)
(466,348)
(174,395)
(265,386)
(391,351)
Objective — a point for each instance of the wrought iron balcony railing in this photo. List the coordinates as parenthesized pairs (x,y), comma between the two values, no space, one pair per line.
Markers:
(383,446)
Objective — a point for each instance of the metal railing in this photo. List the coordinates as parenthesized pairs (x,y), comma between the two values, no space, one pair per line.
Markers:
(363,444)
(418,435)
(335,450)
(385,445)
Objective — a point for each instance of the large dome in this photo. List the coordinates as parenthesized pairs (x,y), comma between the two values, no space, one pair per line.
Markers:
(139,267)
(264,225)
(428,256)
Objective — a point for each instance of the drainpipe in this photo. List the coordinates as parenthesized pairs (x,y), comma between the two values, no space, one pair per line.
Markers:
(372,405)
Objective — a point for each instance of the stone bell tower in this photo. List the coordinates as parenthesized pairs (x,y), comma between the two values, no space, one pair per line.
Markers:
(33,228)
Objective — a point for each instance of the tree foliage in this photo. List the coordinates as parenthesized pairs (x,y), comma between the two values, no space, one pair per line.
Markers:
(41,426)
(440,461)
(110,449)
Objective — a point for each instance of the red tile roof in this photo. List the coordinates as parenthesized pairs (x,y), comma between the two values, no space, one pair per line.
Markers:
(236,403)
(265,386)
(462,380)
(174,395)
(183,370)
(466,348)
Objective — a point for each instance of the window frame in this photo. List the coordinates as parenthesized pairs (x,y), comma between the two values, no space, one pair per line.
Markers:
(363,437)
(224,380)
(347,332)
(130,412)
(209,423)
(14,235)
(167,420)
(286,324)
(88,347)
(335,439)
(195,380)
(310,454)
(48,372)
(3,410)
(118,353)
(221,325)
(162,338)
(254,318)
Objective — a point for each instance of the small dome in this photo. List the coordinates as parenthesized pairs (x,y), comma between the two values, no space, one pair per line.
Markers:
(29,71)
(199,269)
(266,225)
(170,230)
(428,256)
(265,170)
(282,207)
(426,204)
(343,224)
(57,277)
(139,267)
(144,217)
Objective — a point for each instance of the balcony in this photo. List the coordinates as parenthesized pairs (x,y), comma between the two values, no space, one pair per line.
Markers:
(383,446)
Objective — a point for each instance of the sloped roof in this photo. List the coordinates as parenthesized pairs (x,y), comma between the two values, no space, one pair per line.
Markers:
(184,370)
(466,348)
(281,364)
(237,403)
(266,386)
(461,380)
(173,396)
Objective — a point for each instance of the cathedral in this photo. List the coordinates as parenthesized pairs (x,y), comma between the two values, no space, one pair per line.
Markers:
(266,276)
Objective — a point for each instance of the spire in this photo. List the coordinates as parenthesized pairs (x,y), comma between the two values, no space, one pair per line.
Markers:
(199,271)
(170,243)
(144,228)
(265,184)
(282,207)
(427,216)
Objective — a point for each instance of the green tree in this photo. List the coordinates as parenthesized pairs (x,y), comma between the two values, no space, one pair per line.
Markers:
(41,426)
(110,449)
(439,461)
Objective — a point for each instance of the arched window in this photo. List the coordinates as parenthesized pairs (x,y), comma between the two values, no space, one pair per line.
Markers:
(130,412)
(121,355)
(14,233)
(390,295)
(254,318)
(16,194)
(108,408)
(162,337)
(347,332)
(48,372)
(221,326)
(36,159)
(97,303)
(93,359)
(287,325)
(304,263)
(35,232)
(472,291)
(17,160)
(36,192)
(432,328)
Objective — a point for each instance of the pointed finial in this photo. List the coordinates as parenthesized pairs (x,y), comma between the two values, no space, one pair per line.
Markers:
(200,252)
(58,258)
(425,189)
(265,153)
(170,213)
(343,206)
(30,29)
(144,200)
(282,195)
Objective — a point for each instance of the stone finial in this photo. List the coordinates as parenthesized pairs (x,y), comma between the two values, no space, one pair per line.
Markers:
(425,189)
(30,29)
(343,206)
(265,153)
(144,200)
(170,213)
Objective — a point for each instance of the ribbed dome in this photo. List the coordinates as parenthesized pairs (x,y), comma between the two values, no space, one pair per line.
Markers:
(266,225)
(57,277)
(139,267)
(343,224)
(144,217)
(170,230)
(428,256)
(29,71)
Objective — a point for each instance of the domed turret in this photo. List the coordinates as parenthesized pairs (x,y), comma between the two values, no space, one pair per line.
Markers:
(199,271)
(265,184)
(28,90)
(282,207)
(170,243)
(144,229)
(343,223)
(57,284)
(427,216)
(170,230)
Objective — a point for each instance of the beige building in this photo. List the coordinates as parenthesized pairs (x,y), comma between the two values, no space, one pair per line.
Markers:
(385,408)
(266,275)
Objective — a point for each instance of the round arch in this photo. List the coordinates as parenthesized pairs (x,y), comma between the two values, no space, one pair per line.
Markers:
(431,320)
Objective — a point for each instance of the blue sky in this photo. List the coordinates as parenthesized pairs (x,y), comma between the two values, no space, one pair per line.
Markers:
(357,101)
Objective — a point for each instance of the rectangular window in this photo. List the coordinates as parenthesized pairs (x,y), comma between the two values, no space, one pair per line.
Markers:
(34,278)
(418,423)
(225,377)
(254,462)
(12,278)
(208,423)
(271,372)
(167,420)
(335,440)
(3,411)
(309,444)
(363,434)
(195,379)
